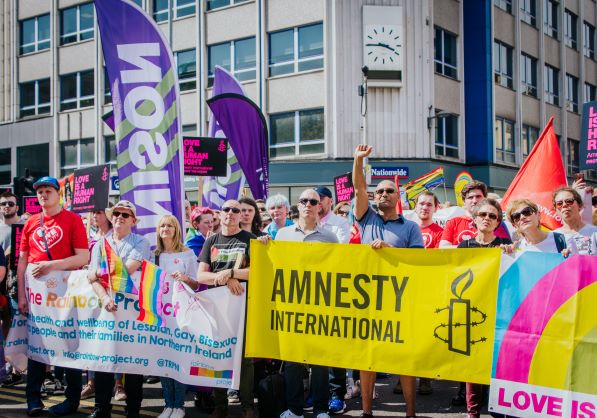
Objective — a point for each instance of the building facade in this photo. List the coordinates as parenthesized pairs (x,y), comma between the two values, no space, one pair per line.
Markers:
(478,81)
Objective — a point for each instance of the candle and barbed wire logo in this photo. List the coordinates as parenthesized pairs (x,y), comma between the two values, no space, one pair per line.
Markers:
(457,331)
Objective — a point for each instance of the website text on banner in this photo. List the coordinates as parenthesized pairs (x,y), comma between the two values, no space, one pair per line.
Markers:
(545,353)
(428,313)
(199,344)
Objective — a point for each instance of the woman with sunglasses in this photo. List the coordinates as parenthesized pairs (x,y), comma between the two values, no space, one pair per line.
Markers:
(568,204)
(524,216)
(487,215)
(180,263)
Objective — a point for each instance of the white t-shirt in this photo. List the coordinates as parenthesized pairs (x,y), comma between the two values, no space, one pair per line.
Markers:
(548,245)
(185,261)
(584,239)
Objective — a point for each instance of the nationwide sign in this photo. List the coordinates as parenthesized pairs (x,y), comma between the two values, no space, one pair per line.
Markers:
(389,172)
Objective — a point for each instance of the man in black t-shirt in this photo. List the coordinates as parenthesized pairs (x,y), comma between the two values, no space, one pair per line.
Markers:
(224,260)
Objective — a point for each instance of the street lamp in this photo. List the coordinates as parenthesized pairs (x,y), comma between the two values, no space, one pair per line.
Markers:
(442,114)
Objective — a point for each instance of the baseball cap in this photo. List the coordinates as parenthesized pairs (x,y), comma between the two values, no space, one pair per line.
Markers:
(46,181)
(123,204)
(323,191)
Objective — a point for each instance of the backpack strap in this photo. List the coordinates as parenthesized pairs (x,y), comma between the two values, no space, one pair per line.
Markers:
(560,241)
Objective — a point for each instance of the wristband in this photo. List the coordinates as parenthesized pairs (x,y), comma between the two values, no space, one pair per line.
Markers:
(232,273)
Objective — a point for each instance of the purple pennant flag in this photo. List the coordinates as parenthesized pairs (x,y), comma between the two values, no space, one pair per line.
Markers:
(144,86)
(217,190)
(246,130)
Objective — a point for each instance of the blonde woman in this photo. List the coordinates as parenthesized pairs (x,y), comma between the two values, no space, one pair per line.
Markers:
(181,264)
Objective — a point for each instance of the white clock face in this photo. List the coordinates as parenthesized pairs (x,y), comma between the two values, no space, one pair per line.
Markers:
(383,47)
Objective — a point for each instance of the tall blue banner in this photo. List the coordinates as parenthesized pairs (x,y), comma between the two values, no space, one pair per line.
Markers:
(145,96)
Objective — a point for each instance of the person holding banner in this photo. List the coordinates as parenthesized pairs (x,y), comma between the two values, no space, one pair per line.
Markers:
(53,240)
(382,229)
(568,204)
(224,261)
(132,249)
(181,263)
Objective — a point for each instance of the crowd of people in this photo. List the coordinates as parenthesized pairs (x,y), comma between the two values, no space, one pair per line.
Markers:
(190,259)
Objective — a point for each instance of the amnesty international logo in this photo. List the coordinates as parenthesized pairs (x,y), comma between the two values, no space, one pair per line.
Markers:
(457,332)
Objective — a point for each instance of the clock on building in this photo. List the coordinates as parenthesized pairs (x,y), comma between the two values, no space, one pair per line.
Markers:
(383,42)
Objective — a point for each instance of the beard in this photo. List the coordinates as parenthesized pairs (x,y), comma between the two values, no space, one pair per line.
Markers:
(10,215)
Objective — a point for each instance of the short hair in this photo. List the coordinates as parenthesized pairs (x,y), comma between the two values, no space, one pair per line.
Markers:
(570,190)
(428,193)
(473,185)
(7,195)
(518,203)
(277,200)
(490,202)
(293,213)
(260,201)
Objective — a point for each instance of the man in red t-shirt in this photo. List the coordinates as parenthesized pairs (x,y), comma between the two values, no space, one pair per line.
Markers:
(462,227)
(55,239)
(426,206)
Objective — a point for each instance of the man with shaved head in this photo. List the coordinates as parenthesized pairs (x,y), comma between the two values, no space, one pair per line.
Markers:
(381,229)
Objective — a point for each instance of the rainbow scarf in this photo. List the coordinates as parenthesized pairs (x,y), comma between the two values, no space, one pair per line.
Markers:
(150,294)
(113,269)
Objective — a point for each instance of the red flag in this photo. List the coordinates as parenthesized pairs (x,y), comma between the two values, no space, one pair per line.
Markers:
(541,174)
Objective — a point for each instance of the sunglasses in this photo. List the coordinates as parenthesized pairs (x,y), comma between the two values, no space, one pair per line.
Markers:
(379,192)
(489,215)
(9,204)
(526,212)
(313,202)
(116,214)
(560,203)
(343,212)
(227,209)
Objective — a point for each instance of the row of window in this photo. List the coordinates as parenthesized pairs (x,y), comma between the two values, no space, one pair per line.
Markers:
(76,22)
(528,14)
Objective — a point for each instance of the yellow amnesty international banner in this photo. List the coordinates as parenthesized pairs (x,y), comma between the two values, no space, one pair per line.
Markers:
(428,313)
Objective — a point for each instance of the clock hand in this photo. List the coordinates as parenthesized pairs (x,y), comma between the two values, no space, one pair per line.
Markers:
(382,45)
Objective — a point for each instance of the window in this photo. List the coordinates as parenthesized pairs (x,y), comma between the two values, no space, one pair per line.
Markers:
(528,11)
(296,49)
(238,57)
(34,34)
(504,141)
(505,5)
(187,69)
(180,8)
(446,136)
(571,93)
(502,58)
(216,4)
(589,93)
(76,154)
(76,90)
(528,75)
(551,84)
(110,149)
(570,31)
(107,90)
(76,23)
(588,46)
(35,97)
(190,130)
(5,171)
(34,157)
(529,134)
(572,151)
(445,53)
(297,133)
(550,18)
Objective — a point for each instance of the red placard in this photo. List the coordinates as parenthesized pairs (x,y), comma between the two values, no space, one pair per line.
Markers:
(31,205)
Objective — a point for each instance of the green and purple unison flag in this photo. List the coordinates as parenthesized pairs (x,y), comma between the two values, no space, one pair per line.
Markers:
(144,86)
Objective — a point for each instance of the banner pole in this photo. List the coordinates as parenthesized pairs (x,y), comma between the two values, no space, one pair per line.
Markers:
(445,192)
(200,191)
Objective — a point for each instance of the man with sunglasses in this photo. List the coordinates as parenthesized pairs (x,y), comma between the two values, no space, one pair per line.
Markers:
(224,261)
(55,239)
(307,229)
(382,228)
(132,249)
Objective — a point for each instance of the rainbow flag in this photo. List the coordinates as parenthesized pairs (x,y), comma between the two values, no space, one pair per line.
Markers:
(150,294)
(428,181)
(113,268)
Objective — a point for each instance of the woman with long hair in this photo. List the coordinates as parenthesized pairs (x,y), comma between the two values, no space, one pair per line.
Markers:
(180,263)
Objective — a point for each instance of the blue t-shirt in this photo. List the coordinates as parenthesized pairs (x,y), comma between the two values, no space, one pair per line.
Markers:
(399,233)
(272,229)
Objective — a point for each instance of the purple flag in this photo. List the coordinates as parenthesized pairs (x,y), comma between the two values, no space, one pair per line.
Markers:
(246,130)
(144,86)
(217,190)
(108,119)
